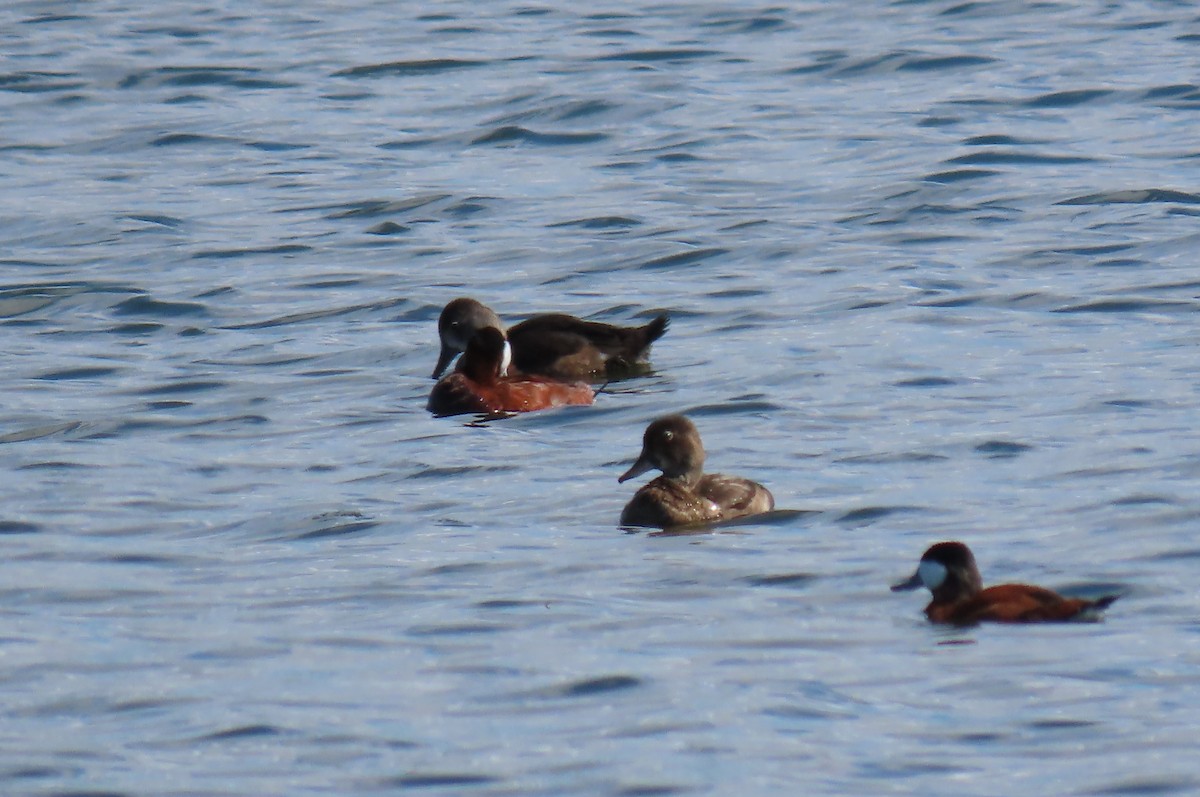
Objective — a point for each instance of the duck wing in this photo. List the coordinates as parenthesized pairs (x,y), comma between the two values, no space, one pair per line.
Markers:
(734,495)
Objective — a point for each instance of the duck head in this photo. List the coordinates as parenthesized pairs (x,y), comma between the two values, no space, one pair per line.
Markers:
(458,323)
(672,445)
(948,570)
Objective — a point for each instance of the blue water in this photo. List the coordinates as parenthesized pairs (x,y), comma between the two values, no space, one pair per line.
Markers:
(932,273)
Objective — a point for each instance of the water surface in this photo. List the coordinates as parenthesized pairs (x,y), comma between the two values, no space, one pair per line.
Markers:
(931,273)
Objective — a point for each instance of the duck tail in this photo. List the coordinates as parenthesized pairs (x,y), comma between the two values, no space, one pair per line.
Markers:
(656,328)
(1091,611)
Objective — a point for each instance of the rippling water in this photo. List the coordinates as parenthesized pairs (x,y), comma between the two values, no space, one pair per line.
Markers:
(931,266)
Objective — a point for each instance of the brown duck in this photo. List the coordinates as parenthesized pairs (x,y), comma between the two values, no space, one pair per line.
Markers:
(684,493)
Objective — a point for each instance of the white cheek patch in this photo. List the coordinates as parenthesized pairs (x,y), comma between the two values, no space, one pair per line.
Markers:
(505,359)
(932,574)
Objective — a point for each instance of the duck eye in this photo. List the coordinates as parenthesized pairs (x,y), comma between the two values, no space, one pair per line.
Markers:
(668,435)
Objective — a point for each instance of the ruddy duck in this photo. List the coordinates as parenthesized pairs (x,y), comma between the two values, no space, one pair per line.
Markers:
(948,571)
(481,383)
(684,494)
(552,344)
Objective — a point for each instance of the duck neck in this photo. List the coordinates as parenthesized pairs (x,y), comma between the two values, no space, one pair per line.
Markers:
(688,478)
(957,586)
(479,371)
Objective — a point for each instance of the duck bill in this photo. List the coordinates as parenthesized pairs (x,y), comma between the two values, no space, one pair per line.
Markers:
(638,468)
(912,583)
(443,360)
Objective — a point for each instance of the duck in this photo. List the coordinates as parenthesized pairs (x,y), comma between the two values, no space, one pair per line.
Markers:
(684,494)
(948,570)
(482,384)
(553,344)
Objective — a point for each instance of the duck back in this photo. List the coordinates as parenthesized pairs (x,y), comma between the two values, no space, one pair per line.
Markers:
(458,394)
(734,495)
(555,344)
(1015,603)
